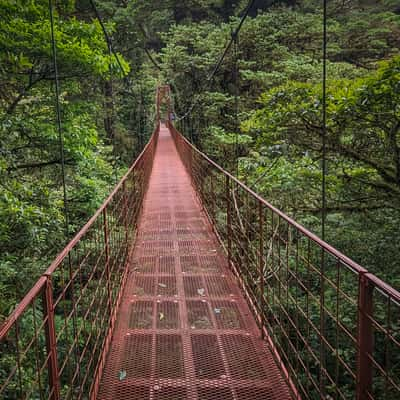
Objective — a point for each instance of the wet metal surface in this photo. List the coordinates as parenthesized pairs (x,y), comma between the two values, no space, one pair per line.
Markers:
(184,331)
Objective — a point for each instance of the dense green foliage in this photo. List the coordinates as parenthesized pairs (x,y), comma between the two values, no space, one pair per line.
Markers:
(31,196)
(279,139)
(266,125)
(279,112)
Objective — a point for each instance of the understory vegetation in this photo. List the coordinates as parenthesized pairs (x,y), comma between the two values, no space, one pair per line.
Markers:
(260,117)
(275,125)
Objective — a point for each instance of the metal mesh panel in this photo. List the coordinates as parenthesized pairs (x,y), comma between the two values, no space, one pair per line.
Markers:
(168,321)
(333,326)
(53,344)
(183,330)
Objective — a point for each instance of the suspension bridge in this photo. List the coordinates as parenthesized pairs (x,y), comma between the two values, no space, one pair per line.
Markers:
(185,284)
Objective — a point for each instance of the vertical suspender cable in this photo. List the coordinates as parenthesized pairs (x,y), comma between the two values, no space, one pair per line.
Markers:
(236,83)
(322,385)
(110,80)
(111,115)
(140,119)
(59,125)
(63,171)
(324,129)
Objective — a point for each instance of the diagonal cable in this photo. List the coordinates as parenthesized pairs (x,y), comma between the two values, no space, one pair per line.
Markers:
(211,76)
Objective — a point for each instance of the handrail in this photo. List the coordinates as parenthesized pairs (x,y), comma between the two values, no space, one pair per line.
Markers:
(329,320)
(84,229)
(59,333)
(332,250)
(20,307)
(331,324)
(301,228)
(61,256)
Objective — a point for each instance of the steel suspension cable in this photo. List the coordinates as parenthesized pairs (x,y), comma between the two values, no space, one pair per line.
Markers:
(111,53)
(322,379)
(211,76)
(58,116)
(324,128)
(233,38)
(106,35)
(63,170)
(111,114)
(236,83)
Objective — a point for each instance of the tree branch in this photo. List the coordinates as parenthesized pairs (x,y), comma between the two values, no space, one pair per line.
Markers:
(38,165)
(355,155)
(396,150)
(32,82)
(349,209)
(153,61)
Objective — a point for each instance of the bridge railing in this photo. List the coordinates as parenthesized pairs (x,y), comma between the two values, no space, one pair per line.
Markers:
(53,344)
(333,326)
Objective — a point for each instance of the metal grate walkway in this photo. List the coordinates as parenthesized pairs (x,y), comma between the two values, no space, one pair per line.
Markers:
(183,330)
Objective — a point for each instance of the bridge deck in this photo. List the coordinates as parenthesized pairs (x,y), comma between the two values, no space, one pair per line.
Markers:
(184,331)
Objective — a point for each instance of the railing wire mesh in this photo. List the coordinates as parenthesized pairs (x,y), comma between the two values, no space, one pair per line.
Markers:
(335,328)
(54,343)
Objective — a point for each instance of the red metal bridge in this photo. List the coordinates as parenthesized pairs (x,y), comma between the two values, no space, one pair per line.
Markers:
(185,284)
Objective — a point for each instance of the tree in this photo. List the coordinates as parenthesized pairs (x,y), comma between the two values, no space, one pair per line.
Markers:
(31,210)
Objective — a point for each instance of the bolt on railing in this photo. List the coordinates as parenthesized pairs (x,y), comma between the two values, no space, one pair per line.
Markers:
(334,328)
(53,345)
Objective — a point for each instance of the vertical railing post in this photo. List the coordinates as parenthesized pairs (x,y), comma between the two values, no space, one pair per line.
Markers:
(126,224)
(261,265)
(203,195)
(125,211)
(228,218)
(51,342)
(365,338)
(191,162)
(213,199)
(107,256)
(187,154)
(247,231)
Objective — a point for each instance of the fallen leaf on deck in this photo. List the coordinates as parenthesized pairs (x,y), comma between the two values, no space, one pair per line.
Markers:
(122,375)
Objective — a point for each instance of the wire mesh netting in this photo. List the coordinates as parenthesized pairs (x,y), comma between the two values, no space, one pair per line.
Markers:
(184,330)
(53,344)
(334,326)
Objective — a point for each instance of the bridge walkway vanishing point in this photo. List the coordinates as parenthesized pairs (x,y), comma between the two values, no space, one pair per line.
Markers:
(143,302)
(183,329)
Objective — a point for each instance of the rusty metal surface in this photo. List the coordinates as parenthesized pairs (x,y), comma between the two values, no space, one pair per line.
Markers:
(333,326)
(183,330)
(53,344)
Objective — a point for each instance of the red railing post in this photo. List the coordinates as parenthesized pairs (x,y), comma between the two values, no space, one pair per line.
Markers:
(107,255)
(213,197)
(203,195)
(51,342)
(125,214)
(125,211)
(365,338)
(228,219)
(191,162)
(261,266)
